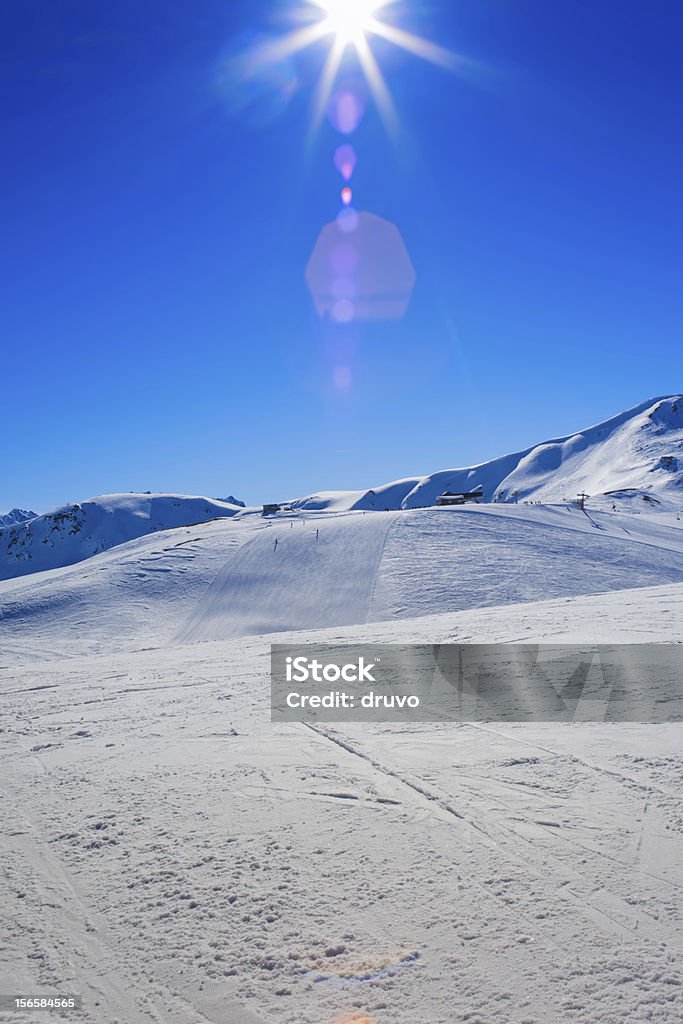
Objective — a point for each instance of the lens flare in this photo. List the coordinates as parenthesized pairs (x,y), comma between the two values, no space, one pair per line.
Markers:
(363,275)
(342,378)
(345,109)
(347,220)
(343,311)
(355,1018)
(345,160)
(346,196)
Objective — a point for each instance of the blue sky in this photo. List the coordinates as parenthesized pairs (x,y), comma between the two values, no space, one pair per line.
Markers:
(158,215)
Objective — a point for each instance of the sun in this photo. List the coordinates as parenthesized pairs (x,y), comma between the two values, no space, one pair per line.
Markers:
(350,25)
(349,20)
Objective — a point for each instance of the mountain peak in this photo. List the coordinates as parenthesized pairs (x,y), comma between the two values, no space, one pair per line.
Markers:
(16,516)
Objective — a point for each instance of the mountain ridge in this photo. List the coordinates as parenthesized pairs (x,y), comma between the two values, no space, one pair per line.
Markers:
(637,452)
(632,458)
(16,516)
(77,531)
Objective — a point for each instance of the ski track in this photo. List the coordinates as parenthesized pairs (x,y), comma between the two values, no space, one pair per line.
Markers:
(499,837)
(305,573)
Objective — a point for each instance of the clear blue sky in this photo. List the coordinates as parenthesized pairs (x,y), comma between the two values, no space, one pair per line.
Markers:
(157,219)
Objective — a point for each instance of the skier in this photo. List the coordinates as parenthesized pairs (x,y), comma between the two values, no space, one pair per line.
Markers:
(275,545)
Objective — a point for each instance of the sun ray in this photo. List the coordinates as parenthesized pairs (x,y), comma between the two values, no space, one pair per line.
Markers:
(326,83)
(432,52)
(378,86)
(276,50)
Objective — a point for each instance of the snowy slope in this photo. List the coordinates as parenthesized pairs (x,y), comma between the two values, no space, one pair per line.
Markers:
(229,578)
(74,532)
(134,595)
(161,827)
(173,856)
(440,561)
(305,573)
(354,568)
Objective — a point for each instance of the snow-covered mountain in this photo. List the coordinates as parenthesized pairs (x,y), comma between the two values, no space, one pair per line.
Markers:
(636,454)
(74,532)
(16,516)
(640,450)
(632,457)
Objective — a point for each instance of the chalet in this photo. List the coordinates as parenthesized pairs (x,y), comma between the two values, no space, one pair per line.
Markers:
(269,510)
(449,498)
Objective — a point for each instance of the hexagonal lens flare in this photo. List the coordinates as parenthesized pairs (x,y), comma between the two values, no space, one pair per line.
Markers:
(361,274)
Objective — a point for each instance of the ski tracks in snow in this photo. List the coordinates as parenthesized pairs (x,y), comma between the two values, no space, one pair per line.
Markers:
(575,894)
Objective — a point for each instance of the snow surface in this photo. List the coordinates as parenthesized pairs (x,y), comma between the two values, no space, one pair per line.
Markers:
(175,857)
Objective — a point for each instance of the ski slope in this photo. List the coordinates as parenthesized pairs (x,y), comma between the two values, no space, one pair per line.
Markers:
(298,574)
(367,568)
(229,578)
(173,856)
